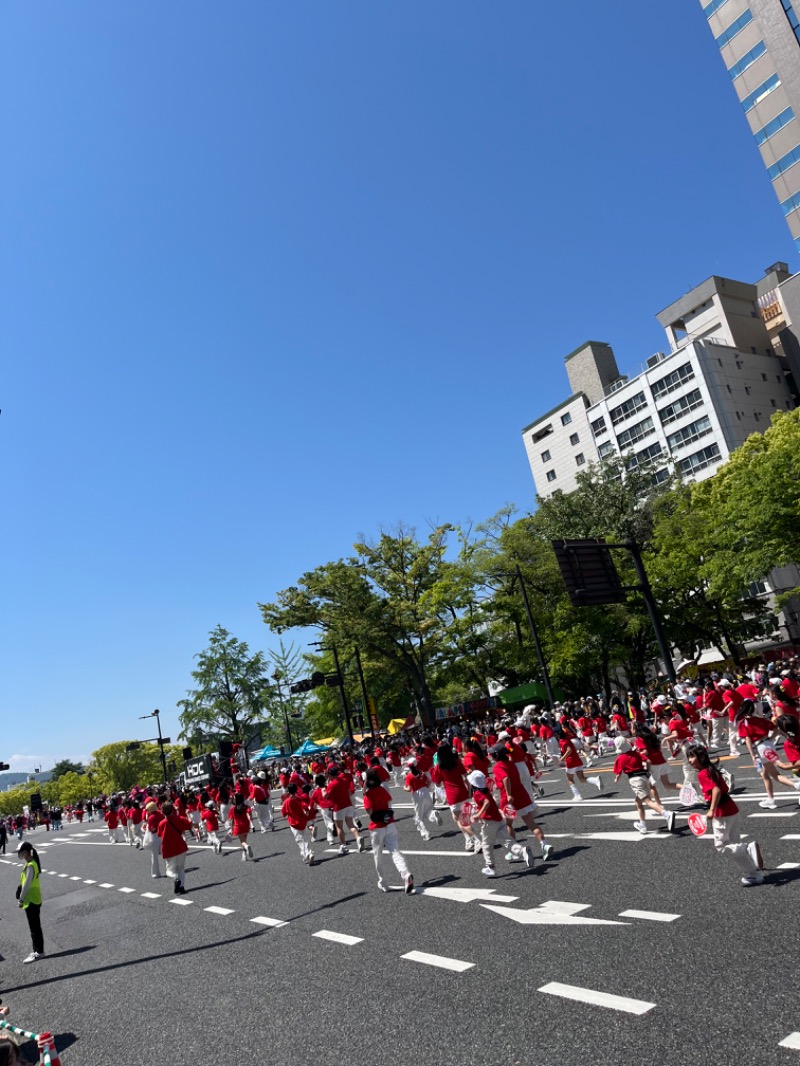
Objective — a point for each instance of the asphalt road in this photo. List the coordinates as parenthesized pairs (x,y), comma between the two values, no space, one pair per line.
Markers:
(705,975)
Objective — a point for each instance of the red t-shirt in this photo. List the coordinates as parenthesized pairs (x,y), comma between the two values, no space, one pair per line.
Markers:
(240,821)
(171,831)
(416,781)
(492,812)
(726,808)
(319,799)
(295,811)
(629,763)
(507,772)
(653,755)
(733,701)
(378,799)
(569,755)
(476,762)
(424,761)
(111,819)
(338,792)
(599,724)
(757,729)
(621,724)
(210,820)
(455,788)
(791,750)
(679,728)
(585,726)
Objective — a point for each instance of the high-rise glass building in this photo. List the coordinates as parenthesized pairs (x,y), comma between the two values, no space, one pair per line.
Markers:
(760,45)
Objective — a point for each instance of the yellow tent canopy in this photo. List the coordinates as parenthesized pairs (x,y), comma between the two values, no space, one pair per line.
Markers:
(326,743)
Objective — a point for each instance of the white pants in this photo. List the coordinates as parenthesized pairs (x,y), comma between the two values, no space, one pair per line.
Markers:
(718,731)
(496,833)
(302,837)
(153,845)
(727,842)
(135,832)
(176,867)
(264,812)
(387,840)
(113,835)
(330,829)
(423,810)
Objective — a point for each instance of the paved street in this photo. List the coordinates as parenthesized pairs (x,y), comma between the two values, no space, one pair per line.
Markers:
(315,965)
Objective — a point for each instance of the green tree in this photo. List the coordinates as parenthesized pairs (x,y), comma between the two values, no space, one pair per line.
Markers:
(70,788)
(116,769)
(228,700)
(16,798)
(66,766)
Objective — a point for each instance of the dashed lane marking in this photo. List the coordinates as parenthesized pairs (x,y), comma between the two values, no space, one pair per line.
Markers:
(88,882)
(273,923)
(105,884)
(650,916)
(127,890)
(441,961)
(597,999)
(338,938)
(74,878)
(151,895)
(772,814)
(218,910)
(791,1041)
(789,866)
(182,902)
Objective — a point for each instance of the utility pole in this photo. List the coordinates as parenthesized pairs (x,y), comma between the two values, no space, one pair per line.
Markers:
(536,643)
(343,695)
(364,692)
(276,677)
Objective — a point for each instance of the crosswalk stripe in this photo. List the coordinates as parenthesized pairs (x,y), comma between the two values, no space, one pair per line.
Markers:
(338,938)
(597,999)
(440,961)
(650,916)
(273,923)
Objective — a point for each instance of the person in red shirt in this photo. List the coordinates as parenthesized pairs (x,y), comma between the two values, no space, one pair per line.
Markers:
(173,844)
(241,824)
(630,763)
(621,724)
(732,700)
(210,819)
(296,809)
(383,831)
(649,747)
(450,774)
(790,727)
(321,803)
(516,798)
(573,764)
(340,793)
(111,818)
(417,784)
(723,814)
(263,808)
(135,824)
(152,841)
(492,826)
(757,733)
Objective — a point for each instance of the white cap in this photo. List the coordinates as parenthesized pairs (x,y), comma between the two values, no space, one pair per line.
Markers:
(622,744)
(477,779)
(503,735)
(661,700)
(724,682)
(775,681)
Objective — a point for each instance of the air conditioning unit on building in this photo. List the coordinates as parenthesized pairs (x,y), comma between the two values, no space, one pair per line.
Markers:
(654,360)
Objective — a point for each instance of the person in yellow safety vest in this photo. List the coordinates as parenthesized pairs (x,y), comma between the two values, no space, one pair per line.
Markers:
(29,895)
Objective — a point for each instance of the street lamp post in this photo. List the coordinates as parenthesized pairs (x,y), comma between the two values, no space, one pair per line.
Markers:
(157,715)
(276,677)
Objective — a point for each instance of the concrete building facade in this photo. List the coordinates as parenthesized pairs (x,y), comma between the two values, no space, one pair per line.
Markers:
(759,41)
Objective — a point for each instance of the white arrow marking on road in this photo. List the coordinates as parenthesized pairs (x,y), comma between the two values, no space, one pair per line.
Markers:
(546,916)
(563,907)
(791,1041)
(465,895)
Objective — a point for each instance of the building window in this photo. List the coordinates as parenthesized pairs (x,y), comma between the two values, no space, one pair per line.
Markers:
(682,406)
(660,475)
(735,27)
(551,475)
(689,434)
(784,163)
(540,434)
(712,6)
(764,89)
(574,439)
(635,433)
(794,22)
(646,455)
(599,426)
(580,458)
(625,410)
(546,456)
(756,416)
(566,419)
(672,381)
(738,363)
(771,128)
(763,377)
(747,389)
(773,403)
(792,204)
(606,449)
(756,589)
(700,460)
(747,60)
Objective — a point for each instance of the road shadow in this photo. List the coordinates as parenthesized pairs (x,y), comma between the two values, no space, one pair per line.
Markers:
(328,906)
(75,974)
(567,853)
(212,884)
(70,951)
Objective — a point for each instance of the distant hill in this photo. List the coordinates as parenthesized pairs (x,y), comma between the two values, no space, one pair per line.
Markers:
(8,780)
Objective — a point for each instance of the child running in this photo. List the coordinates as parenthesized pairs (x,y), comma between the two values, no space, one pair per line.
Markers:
(241,824)
(383,831)
(630,763)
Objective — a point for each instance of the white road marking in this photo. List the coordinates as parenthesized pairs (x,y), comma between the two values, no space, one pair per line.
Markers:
(74,878)
(562,907)
(89,882)
(63,875)
(791,836)
(338,938)
(274,923)
(218,910)
(105,884)
(451,854)
(597,999)
(791,1041)
(547,916)
(465,895)
(127,890)
(650,916)
(182,902)
(151,895)
(438,960)
(772,814)
(623,835)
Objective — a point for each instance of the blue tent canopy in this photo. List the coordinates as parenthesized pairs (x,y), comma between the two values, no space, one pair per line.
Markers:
(270,752)
(308,747)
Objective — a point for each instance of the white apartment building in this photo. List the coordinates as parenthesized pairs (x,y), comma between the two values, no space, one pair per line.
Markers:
(722,379)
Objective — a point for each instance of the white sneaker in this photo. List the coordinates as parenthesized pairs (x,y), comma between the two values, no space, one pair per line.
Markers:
(755,879)
(641,827)
(361,844)
(488,871)
(249,851)
(34,956)
(547,851)
(244,856)
(670,817)
(408,882)
(382,887)
(768,804)
(596,782)
(344,850)
(527,856)
(437,818)
(577,797)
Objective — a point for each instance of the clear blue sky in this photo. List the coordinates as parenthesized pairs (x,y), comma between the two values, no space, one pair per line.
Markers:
(277,274)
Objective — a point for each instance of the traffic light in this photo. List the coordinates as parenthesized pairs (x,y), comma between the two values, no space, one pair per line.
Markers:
(4,766)
(308,683)
(133,747)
